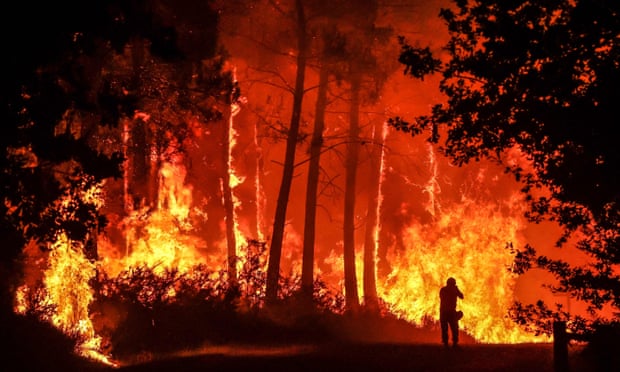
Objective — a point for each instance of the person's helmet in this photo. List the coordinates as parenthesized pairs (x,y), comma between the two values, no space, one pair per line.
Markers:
(451,281)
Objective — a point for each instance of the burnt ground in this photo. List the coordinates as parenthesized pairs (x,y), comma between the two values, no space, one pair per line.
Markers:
(366,357)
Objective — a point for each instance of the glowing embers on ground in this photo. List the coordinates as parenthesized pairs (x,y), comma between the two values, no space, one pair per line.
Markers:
(468,242)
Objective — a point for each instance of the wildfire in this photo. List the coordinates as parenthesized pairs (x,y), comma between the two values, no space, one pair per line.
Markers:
(66,288)
(160,238)
(234,180)
(466,241)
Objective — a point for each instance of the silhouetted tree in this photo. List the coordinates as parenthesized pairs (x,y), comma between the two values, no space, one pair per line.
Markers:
(206,89)
(540,78)
(272,43)
(316,145)
(371,298)
(275,248)
(366,75)
(53,92)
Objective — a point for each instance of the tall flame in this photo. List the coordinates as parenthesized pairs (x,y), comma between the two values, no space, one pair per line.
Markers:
(466,240)
(160,238)
(235,179)
(66,286)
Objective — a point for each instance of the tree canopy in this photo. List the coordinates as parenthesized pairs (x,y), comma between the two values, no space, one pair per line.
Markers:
(55,92)
(538,78)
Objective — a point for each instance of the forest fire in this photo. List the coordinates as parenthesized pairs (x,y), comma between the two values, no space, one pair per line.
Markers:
(261,173)
(465,239)
(457,244)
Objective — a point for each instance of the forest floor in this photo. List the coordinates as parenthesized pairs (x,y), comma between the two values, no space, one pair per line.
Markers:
(389,346)
(365,357)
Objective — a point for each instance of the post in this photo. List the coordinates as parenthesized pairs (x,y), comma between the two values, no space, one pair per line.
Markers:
(560,347)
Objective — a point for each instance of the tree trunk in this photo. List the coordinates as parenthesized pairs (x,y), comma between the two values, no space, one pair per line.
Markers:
(227,200)
(307,272)
(350,279)
(143,184)
(372,223)
(275,250)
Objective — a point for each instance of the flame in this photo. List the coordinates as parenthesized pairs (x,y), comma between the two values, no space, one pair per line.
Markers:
(466,241)
(66,282)
(66,286)
(234,179)
(380,196)
(432,187)
(258,189)
(161,238)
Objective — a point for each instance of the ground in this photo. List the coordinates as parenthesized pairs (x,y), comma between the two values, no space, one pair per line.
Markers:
(377,346)
(364,357)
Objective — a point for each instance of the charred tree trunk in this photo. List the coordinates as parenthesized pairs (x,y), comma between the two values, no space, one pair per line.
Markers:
(143,185)
(307,267)
(275,250)
(350,278)
(371,300)
(140,165)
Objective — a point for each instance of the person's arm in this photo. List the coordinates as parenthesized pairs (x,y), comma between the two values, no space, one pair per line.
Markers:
(459,293)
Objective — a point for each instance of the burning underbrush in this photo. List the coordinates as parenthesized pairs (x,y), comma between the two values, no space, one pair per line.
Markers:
(151,310)
(153,281)
(144,313)
(140,310)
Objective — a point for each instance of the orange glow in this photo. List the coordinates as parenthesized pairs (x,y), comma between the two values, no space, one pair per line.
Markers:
(66,287)
(235,180)
(464,236)
(466,239)
(467,242)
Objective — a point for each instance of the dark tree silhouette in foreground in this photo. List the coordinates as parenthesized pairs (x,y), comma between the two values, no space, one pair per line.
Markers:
(53,74)
(540,78)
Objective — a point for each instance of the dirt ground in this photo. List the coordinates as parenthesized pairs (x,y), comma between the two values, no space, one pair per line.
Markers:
(363,357)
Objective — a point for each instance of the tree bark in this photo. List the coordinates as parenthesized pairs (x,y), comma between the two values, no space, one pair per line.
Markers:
(275,250)
(307,271)
(229,205)
(350,278)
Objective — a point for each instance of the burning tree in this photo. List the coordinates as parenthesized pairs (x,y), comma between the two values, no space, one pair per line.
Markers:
(139,218)
(55,97)
(533,86)
(75,95)
(293,15)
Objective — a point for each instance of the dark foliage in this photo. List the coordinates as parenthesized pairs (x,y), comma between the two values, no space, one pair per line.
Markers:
(145,311)
(51,73)
(30,344)
(418,62)
(542,78)
(54,90)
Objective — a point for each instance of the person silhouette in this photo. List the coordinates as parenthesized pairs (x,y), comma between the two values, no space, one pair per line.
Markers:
(448,315)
